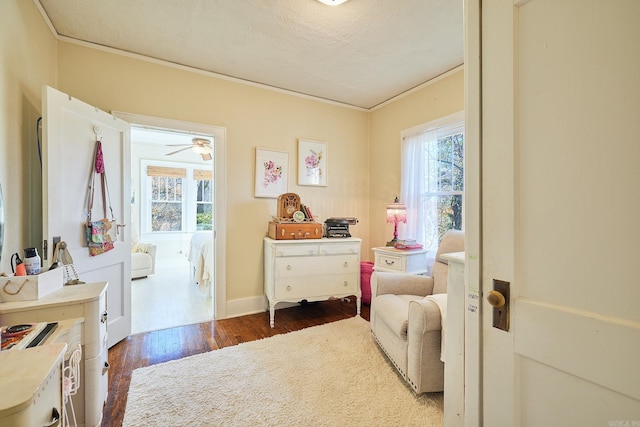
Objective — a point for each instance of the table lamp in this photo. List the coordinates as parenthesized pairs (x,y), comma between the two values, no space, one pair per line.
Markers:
(396,213)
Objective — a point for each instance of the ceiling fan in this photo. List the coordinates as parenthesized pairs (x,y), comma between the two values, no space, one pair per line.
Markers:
(201,146)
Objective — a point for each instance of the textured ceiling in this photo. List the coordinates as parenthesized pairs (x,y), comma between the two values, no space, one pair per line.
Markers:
(360,53)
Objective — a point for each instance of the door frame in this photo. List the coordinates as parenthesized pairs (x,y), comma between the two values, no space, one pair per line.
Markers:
(473,342)
(219,174)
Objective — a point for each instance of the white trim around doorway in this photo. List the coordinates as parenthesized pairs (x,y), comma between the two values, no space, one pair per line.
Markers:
(220,174)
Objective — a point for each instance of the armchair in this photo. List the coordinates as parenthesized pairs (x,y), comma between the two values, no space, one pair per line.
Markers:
(143,256)
(407,316)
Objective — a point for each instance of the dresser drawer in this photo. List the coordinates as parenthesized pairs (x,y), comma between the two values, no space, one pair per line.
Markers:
(389,262)
(95,329)
(311,266)
(296,250)
(296,288)
(336,249)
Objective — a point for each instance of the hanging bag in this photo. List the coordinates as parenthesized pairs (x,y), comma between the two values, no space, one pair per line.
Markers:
(97,233)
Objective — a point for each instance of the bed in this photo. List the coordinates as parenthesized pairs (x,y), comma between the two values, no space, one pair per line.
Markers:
(201,259)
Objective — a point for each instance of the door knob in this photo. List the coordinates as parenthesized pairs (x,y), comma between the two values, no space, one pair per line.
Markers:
(496,299)
(499,299)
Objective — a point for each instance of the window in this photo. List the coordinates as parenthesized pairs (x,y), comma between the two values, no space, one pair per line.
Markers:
(433,179)
(204,199)
(180,198)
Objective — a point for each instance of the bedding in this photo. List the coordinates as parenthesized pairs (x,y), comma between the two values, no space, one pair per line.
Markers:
(201,259)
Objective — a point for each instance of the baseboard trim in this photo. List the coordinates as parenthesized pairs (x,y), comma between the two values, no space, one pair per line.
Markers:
(253,305)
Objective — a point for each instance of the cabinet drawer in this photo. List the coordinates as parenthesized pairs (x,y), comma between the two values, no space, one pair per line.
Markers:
(314,266)
(95,326)
(293,288)
(389,262)
(336,249)
(95,387)
(296,250)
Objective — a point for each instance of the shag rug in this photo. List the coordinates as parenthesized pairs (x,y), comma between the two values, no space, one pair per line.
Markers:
(328,375)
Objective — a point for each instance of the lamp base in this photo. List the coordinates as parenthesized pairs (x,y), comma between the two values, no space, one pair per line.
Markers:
(392,242)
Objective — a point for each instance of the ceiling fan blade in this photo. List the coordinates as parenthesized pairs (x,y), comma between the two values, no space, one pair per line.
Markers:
(206,156)
(178,145)
(177,151)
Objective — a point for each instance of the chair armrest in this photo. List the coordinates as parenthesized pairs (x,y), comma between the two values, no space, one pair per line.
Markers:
(424,316)
(400,284)
(151,250)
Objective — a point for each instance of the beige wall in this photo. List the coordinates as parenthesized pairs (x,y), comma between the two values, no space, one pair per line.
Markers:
(363,147)
(253,117)
(442,97)
(27,61)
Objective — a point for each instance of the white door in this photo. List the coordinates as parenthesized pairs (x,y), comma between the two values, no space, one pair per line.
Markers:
(70,129)
(560,161)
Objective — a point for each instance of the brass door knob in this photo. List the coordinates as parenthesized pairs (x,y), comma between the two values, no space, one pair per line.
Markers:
(496,299)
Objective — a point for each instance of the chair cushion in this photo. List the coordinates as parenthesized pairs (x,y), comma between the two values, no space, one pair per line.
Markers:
(140,260)
(394,311)
(440,273)
(452,241)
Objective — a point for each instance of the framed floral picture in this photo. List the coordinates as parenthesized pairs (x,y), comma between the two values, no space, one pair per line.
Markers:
(312,163)
(272,172)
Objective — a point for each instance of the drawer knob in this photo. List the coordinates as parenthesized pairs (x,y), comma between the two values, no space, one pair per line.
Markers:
(289,287)
(105,368)
(346,264)
(289,267)
(346,283)
(103,318)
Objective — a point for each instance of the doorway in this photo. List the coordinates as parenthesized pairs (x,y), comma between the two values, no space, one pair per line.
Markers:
(185,287)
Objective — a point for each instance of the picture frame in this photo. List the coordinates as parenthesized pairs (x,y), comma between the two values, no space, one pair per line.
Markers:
(272,173)
(312,163)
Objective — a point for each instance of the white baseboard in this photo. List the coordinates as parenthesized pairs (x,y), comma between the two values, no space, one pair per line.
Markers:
(244,306)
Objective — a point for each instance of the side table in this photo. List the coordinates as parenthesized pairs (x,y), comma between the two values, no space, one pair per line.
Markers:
(412,261)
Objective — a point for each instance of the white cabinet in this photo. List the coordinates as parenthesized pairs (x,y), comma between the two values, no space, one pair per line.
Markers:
(412,261)
(31,391)
(311,270)
(88,302)
(454,368)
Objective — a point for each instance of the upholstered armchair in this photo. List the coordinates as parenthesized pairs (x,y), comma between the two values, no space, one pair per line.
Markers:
(143,257)
(406,318)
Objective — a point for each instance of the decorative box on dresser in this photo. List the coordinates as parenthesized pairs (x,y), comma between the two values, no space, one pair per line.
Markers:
(311,270)
(412,261)
(89,303)
(31,386)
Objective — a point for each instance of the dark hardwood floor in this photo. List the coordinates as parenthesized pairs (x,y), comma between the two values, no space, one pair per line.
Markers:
(156,347)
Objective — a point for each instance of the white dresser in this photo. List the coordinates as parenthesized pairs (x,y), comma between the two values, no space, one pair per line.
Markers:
(412,261)
(31,386)
(311,270)
(89,303)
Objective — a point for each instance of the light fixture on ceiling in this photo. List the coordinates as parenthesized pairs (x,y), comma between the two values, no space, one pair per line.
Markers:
(201,146)
(332,2)
(201,149)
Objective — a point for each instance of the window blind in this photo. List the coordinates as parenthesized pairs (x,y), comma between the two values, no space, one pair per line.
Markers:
(164,171)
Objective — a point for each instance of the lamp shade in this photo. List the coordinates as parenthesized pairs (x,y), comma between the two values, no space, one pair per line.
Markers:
(396,212)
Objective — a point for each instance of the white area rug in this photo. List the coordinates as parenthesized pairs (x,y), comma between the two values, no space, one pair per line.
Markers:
(328,375)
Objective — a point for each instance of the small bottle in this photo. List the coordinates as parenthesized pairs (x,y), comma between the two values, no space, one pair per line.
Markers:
(19,270)
(32,261)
